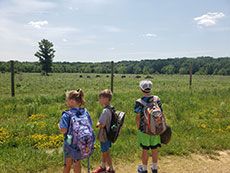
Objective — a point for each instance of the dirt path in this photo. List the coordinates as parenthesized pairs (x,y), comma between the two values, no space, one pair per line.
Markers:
(193,163)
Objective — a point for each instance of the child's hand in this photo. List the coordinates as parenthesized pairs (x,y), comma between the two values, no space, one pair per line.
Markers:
(100,125)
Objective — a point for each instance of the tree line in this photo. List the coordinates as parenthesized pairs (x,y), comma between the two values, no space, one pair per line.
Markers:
(201,65)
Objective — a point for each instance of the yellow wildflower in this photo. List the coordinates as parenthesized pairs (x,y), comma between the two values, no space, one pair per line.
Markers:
(203,126)
(37,116)
(228,128)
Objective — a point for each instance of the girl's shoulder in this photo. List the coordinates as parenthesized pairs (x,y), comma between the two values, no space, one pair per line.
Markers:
(66,112)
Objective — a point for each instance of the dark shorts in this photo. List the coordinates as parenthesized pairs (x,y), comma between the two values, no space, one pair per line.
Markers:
(105,146)
(152,147)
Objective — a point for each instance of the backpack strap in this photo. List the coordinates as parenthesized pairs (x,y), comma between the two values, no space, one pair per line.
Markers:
(142,102)
(111,108)
(88,165)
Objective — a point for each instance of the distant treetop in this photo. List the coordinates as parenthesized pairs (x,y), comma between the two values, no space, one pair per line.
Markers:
(201,66)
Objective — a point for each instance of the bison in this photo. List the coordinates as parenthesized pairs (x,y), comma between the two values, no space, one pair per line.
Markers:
(148,77)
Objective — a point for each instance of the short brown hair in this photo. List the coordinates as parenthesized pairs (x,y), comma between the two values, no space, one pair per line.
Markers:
(106,93)
(76,95)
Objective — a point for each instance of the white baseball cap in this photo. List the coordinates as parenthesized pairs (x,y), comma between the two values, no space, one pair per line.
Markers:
(146,86)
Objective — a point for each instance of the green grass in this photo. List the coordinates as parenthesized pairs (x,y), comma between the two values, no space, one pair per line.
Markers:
(200,118)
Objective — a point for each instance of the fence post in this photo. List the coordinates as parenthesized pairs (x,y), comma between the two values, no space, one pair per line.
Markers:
(190,72)
(12,78)
(112,76)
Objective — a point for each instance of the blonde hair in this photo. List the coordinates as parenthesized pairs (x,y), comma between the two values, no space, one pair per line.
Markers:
(76,95)
(106,93)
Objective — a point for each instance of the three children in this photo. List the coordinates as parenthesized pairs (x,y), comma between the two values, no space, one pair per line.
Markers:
(75,101)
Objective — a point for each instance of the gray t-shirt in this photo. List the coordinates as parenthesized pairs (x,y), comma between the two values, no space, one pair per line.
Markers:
(105,119)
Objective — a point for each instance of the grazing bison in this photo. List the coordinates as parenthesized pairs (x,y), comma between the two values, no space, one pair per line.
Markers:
(138,77)
(88,76)
(123,76)
(107,75)
(148,77)
(80,76)
(98,76)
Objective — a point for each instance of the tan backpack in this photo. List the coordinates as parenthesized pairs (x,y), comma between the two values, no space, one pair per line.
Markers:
(154,122)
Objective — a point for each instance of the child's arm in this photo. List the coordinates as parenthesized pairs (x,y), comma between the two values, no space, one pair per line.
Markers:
(62,130)
(64,123)
(100,125)
(138,118)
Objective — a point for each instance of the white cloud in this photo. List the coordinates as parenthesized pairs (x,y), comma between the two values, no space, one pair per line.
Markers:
(112,29)
(148,35)
(38,24)
(64,40)
(111,48)
(73,9)
(209,18)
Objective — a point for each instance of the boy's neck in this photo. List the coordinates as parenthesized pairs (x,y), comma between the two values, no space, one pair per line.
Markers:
(146,94)
(107,104)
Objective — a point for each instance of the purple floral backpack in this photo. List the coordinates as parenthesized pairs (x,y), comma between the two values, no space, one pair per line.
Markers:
(80,140)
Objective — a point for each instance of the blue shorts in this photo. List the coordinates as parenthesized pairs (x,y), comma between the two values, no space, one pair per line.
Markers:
(105,146)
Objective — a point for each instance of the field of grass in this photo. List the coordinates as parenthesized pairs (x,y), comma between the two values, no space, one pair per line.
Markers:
(30,140)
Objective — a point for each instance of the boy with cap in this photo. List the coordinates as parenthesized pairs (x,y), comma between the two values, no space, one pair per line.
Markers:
(144,140)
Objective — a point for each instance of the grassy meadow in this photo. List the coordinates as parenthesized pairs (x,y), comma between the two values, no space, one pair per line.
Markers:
(31,142)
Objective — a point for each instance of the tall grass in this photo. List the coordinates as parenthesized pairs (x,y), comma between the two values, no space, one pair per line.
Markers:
(200,118)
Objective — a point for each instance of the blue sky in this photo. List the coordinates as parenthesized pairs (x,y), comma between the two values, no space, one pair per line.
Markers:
(105,30)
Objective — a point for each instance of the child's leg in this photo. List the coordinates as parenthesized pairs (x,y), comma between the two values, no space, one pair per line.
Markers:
(106,153)
(154,155)
(68,165)
(103,157)
(154,158)
(145,156)
(107,157)
(77,166)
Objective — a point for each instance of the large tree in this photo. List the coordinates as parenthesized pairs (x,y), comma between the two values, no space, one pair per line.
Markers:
(45,55)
